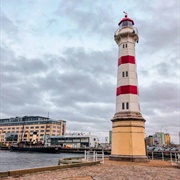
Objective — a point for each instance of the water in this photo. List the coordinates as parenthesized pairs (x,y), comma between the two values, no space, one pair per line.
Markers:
(21,160)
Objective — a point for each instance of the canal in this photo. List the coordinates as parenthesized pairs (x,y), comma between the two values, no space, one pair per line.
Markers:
(21,160)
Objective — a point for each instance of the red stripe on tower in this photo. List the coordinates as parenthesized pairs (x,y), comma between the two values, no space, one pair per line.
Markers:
(129,89)
(126,59)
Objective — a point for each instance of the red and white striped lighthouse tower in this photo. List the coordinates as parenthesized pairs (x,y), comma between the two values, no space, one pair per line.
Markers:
(127,124)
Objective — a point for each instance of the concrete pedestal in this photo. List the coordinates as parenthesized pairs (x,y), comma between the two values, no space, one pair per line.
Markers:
(128,158)
(128,137)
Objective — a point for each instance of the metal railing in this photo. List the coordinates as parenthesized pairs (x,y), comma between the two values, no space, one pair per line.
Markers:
(164,156)
(94,156)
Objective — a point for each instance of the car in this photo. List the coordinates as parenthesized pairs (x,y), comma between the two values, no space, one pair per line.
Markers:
(157,149)
(150,148)
(174,149)
(167,150)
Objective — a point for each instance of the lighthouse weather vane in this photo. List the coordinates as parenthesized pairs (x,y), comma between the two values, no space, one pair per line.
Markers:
(125,13)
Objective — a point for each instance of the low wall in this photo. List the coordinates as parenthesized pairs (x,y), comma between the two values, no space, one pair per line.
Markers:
(46,168)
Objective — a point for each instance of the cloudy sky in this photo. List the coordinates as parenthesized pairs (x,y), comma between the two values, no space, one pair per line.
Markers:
(59,56)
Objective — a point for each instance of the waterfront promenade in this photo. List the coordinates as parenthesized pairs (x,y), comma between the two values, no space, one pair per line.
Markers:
(110,170)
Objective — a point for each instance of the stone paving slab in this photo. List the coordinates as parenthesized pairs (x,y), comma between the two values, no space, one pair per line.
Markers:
(111,170)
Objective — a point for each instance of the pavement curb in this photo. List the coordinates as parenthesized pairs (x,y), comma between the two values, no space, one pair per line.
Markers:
(19,172)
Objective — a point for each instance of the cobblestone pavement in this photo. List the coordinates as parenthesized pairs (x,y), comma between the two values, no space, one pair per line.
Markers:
(156,170)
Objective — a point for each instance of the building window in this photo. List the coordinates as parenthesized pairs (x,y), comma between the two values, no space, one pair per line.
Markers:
(37,127)
(123,45)
(42,130)
(126,73)
(32,127)
(122,105)
(42,126)
(126,45)
(127,105)
(123,74)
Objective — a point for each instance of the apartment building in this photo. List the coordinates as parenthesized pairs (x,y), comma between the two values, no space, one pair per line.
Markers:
(17,129)
(158,139)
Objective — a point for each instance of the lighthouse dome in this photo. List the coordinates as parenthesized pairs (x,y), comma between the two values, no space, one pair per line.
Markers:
(126,21)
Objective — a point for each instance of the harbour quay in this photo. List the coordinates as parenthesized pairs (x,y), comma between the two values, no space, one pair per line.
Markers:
(110,170)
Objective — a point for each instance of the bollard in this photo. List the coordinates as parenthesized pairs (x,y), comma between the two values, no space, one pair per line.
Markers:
(175,157)
(93,155)
(178,160)
(162,156)
(85,154)
(171,156)
(102,156)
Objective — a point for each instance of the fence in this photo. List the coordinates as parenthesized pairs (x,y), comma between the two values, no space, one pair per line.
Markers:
(94,156)
(164,156)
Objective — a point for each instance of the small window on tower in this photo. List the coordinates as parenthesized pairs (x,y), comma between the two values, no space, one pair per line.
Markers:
(126,45)
(123,74)
(127,105)
(123,45)
(122,105)
(126,73)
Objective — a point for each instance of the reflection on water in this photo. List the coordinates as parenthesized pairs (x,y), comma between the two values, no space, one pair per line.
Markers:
(21,160)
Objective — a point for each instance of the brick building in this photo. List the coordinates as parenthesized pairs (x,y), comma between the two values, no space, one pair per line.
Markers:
(22,128)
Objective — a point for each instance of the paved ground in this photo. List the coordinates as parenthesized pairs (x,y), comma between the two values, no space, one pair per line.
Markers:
(110,170)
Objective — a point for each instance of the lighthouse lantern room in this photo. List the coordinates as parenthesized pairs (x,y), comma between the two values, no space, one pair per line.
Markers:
(128,130)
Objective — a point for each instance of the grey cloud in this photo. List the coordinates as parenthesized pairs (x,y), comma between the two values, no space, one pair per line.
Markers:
(164,69)
(89,18)
(144,73)
(160,98)
(60,92)
(51,22)
(23,66)
(169,65)
(7,25)
(159,28)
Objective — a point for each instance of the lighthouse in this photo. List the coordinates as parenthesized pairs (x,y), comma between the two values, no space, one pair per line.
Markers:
(128,125)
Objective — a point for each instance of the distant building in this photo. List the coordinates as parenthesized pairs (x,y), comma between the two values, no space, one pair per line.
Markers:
(158,139)
(149,140)
(22,128)
(167,139)
(74,141)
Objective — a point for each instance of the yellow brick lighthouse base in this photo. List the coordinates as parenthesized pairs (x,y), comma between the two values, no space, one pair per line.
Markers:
(128,137)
